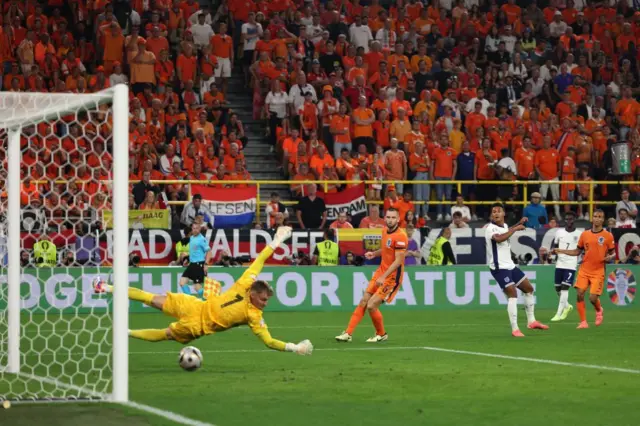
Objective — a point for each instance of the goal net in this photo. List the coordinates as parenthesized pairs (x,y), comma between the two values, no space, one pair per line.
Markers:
(63,163)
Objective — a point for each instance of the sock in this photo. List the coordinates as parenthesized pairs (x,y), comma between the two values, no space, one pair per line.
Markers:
(529,306)
(140,296)
(512,310)
(186,289)
(258,264)
(150,335)
(200,292)
(581,311)
(378,322)
(597,305)
(564,297)
(356,317)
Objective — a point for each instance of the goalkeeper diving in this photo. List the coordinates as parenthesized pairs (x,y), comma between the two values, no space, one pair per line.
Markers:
(242,304)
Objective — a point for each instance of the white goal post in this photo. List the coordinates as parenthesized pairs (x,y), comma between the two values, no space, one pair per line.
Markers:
(17,112)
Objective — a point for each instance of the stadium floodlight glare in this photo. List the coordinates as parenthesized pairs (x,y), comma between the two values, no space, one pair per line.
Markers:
(52,349)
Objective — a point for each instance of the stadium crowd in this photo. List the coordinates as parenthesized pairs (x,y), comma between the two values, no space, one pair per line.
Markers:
(479,90)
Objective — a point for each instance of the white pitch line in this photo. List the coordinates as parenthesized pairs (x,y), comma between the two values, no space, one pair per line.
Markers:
(169,415)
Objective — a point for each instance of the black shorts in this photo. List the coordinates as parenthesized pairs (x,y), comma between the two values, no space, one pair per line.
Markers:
(195,272)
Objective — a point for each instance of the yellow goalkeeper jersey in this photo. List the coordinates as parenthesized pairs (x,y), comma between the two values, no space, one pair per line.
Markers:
(234,308)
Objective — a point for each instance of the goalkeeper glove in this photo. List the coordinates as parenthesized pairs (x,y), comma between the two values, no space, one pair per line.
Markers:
(303,348)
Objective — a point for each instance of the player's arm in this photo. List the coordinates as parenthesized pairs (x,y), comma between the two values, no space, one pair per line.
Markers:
(573,252)
(398,261)
(262,332)
(373,254)
(499,238)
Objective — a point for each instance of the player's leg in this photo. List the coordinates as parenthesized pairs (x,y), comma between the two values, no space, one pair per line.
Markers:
(373,307)
(149,299)
(512,307)
(356,317)
(194,274)
(597,286)
(522,282)
(563,280)
(249,276)
(581,286)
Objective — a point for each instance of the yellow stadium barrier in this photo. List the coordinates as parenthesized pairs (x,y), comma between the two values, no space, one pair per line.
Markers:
(457,183)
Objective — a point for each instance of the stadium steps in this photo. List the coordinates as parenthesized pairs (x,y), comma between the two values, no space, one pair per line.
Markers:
(261,163)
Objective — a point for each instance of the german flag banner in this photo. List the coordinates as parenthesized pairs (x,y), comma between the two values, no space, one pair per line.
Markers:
(359,241)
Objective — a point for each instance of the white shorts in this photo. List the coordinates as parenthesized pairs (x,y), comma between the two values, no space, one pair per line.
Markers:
(224,67)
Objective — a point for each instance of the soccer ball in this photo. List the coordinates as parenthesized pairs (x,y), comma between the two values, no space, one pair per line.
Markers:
(190,358)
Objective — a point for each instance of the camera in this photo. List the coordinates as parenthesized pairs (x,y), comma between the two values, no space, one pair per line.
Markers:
(134,260)
(301,259)
(227,260)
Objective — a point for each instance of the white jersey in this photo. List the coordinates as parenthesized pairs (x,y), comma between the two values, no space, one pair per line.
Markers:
(498,254)
(567,241)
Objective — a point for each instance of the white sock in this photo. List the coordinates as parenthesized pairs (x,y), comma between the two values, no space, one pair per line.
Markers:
(512,310)
(564,298)
(528,307)
(275,243)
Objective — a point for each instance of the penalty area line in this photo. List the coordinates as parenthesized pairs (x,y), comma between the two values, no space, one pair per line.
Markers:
(169,415)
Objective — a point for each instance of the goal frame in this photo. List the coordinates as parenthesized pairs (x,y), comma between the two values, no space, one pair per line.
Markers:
(119,97)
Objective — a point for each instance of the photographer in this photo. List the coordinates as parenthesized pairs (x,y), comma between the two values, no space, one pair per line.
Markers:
(226,260)
(351,259)
(25,259)
(634,256)
(134,260)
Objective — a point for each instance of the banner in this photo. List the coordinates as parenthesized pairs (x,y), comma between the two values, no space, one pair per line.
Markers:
(359,240)
(626,240)
(350,201)
(156,247)
(314,288)
(142,219)
(231,207)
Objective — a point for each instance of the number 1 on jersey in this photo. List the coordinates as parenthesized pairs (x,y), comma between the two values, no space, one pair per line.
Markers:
(234,301)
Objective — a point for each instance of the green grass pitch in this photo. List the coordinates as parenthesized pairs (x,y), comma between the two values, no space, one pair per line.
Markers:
(393,383)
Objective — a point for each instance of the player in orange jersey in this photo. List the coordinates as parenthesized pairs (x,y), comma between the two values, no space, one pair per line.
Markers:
(599,248)
(386,281)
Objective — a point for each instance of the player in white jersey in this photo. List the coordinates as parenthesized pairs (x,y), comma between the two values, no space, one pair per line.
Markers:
(506,273)
(566,266)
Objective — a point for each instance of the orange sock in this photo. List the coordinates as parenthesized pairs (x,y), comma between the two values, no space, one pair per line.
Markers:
(582,311)
(597,305)
(356,317)
(378,322)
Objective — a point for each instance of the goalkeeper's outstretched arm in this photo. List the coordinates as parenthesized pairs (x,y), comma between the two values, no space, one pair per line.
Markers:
(262,332)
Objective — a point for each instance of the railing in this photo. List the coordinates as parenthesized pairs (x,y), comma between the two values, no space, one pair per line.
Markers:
(457,183)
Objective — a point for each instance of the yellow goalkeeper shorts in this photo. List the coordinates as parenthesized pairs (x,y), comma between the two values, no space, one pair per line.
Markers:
(188,311)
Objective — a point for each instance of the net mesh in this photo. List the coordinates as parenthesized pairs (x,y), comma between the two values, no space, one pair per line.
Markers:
(66,330)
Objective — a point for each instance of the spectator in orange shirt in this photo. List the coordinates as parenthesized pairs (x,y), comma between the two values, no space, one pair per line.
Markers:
(547,164)
(342,222)
(419,164)
(373,220)
(223,49)
(443,167)
(341,130)
(395,162)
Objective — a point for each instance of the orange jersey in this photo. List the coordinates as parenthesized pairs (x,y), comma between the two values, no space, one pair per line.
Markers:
(595,246)
(392,242)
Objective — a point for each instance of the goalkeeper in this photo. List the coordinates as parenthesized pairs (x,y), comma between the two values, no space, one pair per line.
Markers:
(242,304)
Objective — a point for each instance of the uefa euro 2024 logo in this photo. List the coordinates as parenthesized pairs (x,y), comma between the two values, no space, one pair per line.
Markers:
(621,286)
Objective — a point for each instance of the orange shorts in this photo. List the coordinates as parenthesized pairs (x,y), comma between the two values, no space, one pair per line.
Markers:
(592,282)
(389,289)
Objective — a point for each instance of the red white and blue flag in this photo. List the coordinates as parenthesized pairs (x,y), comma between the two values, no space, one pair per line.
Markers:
(351,201)
(231,207)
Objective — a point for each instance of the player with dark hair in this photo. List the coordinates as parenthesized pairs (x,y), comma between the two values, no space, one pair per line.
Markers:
(506,273)
(566,266)
(386,281)
(242,304)
(598,247)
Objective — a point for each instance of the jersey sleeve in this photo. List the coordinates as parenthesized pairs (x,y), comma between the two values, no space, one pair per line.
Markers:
(401,242)
(259,328)
(492,231)
(581,241)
